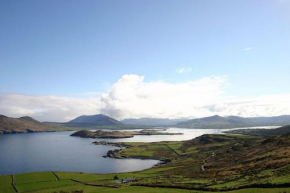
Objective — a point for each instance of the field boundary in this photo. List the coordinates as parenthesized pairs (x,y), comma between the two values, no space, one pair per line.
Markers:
(13,183)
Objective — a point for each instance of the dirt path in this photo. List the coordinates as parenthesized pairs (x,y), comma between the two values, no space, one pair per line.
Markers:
(204,161)
(202,166)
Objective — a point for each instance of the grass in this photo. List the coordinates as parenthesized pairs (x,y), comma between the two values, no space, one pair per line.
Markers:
(34,177)
(91,189)
(28,187)
(5,184)
(85,177)
(6,189)
(5,181)
(35,182)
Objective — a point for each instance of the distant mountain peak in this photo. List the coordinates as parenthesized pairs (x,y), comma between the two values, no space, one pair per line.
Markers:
(93,120)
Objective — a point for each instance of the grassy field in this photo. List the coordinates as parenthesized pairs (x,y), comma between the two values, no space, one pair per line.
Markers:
(5,184)
(232,163)
(86,183)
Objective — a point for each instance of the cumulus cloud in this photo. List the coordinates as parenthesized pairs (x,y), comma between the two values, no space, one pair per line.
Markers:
(133,97)
(183,70)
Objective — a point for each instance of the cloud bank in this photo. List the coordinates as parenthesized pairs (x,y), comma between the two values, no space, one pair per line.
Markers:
(132,97)
(47,108)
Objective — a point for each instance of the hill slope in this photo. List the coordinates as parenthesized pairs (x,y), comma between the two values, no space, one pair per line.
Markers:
(93,120)
(262,132)
(21,125)
(217,162)
(218,122)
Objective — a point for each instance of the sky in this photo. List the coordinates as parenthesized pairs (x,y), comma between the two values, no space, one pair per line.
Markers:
(133,58)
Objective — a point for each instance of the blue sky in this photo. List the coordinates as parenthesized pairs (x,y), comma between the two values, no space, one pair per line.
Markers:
(63,48)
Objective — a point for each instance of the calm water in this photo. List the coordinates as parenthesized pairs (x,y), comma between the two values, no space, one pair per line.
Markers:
(33,152)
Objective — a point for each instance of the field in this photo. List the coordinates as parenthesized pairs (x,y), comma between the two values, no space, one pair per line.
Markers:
(231,163)
(33,182)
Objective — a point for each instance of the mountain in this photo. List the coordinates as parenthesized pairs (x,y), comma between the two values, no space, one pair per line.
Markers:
(262,132)
(218,122)
(280,120)
(92,121)
(152,121)
(21,125)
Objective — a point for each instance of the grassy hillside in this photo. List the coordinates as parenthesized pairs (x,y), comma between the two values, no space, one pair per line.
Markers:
(232,163)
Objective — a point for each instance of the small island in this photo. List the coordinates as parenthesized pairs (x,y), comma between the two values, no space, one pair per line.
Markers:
(118,134)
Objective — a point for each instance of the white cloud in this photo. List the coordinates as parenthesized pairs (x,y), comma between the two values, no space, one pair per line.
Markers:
(183,70)
(90,94)
(133,97)
(248,48)
(47,108)
(269,105)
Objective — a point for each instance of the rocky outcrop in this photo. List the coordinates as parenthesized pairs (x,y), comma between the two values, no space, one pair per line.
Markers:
(114,154)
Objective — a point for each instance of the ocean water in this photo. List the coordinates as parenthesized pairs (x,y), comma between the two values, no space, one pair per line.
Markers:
(58,151)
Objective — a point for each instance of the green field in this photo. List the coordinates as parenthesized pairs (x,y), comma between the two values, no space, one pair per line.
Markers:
(34,183)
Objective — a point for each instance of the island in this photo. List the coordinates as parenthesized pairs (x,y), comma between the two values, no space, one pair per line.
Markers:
(118,134)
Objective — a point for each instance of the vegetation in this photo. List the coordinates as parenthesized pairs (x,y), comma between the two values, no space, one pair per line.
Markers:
(232,163)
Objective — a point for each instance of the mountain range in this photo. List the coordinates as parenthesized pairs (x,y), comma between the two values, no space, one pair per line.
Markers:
(28,124)
(218,122)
